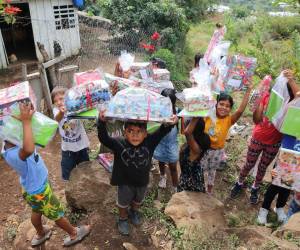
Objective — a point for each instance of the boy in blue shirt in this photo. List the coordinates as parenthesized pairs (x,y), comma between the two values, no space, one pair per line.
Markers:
(36,189)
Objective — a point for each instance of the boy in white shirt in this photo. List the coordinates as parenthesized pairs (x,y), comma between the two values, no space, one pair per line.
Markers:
(74,143)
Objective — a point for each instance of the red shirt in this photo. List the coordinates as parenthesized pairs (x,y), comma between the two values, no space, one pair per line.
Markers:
(265,132)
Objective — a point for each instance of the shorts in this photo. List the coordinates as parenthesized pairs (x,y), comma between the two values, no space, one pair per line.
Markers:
(130,194)
(212,159)
(45,203)
(69,160)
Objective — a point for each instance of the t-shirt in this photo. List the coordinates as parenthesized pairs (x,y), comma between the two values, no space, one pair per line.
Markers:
(265,132)
(72,132)
(132,164)
(217,131)
(33,172)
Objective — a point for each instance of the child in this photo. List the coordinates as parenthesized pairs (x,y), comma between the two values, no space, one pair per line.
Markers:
(283,191)
(167,150)
(197,58)
(74,143)
(266,139)
(294,206)
(37,190)
(132,164)
(217,132)
(192,178)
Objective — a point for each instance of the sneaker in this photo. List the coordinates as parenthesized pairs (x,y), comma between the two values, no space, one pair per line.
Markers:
(236,190)
(254,195)
(281,215)
(262,216)
(163,181)
(135,217)
(123,226)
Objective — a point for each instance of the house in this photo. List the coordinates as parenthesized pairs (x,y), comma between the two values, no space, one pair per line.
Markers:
(53,23)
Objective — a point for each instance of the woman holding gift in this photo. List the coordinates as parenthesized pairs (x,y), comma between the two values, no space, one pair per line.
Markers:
(266,139)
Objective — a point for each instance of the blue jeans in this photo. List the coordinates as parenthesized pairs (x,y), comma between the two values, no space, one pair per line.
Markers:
(293,208)
(70,160)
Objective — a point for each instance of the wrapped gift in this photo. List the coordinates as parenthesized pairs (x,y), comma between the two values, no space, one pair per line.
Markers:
(291,119)
(16,93)
(216,38)
(43,128)
(157,87)
(126,60)
(201,76)
(142,70)
(278,101)
(288,164)
(87,76)
(86,96)
(107,161)
(121,83)
(161,75)
(139,104)
(257,94)
(239,72)
(195,99)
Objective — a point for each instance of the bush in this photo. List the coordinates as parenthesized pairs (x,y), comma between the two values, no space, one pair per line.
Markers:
(240,12)
(145,17)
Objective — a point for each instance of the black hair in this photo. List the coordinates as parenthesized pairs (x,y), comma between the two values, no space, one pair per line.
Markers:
(225,97)
(142,125)
(200,137)
(171,93)
(197,58)
(290,92)
(219,25)
(159,62)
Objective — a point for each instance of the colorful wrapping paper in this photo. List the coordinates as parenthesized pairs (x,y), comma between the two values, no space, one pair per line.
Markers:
(139,104)
(161,75)
(107,161)
(142,70)
(43,128)
(122,83)
(86,96)
(288,164)
(19,92)
(239,72)
(87,76)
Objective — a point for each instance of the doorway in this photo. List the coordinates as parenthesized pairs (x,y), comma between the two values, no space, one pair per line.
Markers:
(18,37)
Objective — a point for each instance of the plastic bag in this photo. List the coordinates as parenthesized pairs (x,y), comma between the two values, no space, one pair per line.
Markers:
(259,93)
(161,75)
(121,83)
(278,101)
(291,119)
(86,96)
(202,76)
(107,161)
(88,76)
(218,52)
(216,38)
(126,60)
(43,128)
(139,104)
(142,70)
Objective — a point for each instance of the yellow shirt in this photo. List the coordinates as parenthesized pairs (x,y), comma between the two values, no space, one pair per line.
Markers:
(217,131)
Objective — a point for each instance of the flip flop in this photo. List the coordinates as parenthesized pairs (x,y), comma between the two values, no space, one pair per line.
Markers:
(82,232)
(38,241)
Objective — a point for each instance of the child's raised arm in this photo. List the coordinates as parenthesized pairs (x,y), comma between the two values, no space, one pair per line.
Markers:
(291,82)
(190,138)
(26,112)
(238,113)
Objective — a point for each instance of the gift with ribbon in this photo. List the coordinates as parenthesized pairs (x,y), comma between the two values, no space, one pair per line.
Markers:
(140,104)
(87,76)
(86,96)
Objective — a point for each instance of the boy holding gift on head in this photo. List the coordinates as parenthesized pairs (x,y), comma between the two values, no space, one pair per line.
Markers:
(132,164)
(36,189)
(74,143)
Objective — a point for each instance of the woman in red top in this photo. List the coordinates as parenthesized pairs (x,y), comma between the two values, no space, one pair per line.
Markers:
(266,139)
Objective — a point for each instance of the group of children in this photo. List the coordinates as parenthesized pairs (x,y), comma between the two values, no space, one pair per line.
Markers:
(133,150)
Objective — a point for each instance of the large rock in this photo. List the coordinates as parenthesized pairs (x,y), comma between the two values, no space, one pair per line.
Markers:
(292,227)
(89,187)
(196,211)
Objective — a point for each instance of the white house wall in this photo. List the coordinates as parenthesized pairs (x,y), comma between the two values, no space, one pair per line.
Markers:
(45,32)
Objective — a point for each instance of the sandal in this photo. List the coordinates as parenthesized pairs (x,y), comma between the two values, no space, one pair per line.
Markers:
(38,241)
(82,232)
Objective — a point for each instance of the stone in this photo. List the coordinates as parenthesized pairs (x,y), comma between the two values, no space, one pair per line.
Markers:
(192,210)
(290,228)
(89,187)
(24,235)
(129,246)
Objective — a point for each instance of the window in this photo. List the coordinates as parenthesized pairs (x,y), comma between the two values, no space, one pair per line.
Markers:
(64,16)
